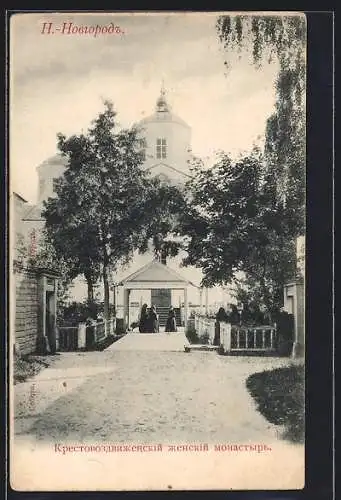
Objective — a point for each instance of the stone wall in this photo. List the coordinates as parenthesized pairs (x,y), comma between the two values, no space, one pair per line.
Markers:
(26,311)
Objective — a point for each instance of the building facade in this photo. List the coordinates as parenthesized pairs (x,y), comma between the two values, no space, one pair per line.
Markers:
(166,139)
(33,291)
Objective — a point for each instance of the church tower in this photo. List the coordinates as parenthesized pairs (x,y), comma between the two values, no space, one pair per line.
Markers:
(167,141)
(48,173)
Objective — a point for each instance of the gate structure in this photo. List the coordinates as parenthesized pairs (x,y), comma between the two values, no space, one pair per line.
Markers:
(161,280)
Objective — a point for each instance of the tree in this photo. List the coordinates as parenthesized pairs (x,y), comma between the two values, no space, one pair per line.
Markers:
(99,209)
(79,251)
(107,206)
(234,227)
(165,204)
(281,38)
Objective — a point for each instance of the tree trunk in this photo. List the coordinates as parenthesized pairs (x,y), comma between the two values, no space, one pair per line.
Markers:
(90,289)
(266,297)
(106,292)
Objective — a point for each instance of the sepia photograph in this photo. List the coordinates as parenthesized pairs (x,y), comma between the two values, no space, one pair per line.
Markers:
(157,169)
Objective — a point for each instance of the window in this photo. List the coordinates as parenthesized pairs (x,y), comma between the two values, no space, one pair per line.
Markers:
(54,184)
(161,148)
(163,178)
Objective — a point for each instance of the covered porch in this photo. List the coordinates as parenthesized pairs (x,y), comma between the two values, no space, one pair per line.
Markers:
(167,288)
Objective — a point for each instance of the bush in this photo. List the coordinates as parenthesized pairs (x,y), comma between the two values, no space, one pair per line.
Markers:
(192,335)
(79,312)
(120,326)
(204,339)
(28,366)
(279,394)
(110,339)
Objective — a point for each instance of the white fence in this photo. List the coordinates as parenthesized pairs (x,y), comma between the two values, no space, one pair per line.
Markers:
(234,338)
(225,336)
(205,328)
(72,338)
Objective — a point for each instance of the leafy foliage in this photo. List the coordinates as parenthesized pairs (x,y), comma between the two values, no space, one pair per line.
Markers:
(280,38)
(237,231)
(192,335)
(98,211)
(46,257)
(247,214)
(165,204)
(26,367)
(106,202)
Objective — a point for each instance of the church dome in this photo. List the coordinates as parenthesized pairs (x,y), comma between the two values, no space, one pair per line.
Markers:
(163,113)
(161,103)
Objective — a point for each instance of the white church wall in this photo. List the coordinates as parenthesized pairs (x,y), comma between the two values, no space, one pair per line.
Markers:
(52,168)
(177,138)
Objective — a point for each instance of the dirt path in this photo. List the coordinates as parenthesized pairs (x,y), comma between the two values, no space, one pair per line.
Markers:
(126,396)
(143,396)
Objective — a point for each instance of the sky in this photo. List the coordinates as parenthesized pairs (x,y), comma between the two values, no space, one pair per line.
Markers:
(58,82)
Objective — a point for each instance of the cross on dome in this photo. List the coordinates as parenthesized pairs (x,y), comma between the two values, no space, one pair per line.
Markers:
(162,105)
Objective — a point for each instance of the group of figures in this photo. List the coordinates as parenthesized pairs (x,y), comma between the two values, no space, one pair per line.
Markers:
(149,320)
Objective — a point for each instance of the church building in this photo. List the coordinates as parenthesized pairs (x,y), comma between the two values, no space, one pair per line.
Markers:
(166,140)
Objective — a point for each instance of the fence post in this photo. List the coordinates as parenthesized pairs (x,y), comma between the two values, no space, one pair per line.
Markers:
(226,336)
(212,332)
(81,336)
(57,338)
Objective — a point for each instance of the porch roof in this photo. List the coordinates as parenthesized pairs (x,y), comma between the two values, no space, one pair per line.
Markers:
(155,274)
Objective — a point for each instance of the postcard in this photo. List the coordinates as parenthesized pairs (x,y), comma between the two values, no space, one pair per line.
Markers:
(157,266)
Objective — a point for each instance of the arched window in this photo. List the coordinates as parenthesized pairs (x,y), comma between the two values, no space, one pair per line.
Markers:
(161,148)
(54,184)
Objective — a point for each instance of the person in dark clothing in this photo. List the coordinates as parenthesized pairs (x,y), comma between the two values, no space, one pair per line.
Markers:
(221,316)
(171,321)
(143,323)
(153,320)
(234,315)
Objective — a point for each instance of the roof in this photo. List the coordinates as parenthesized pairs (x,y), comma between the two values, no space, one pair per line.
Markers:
(164,117)
(19,196)
(155,271)
(162,164)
